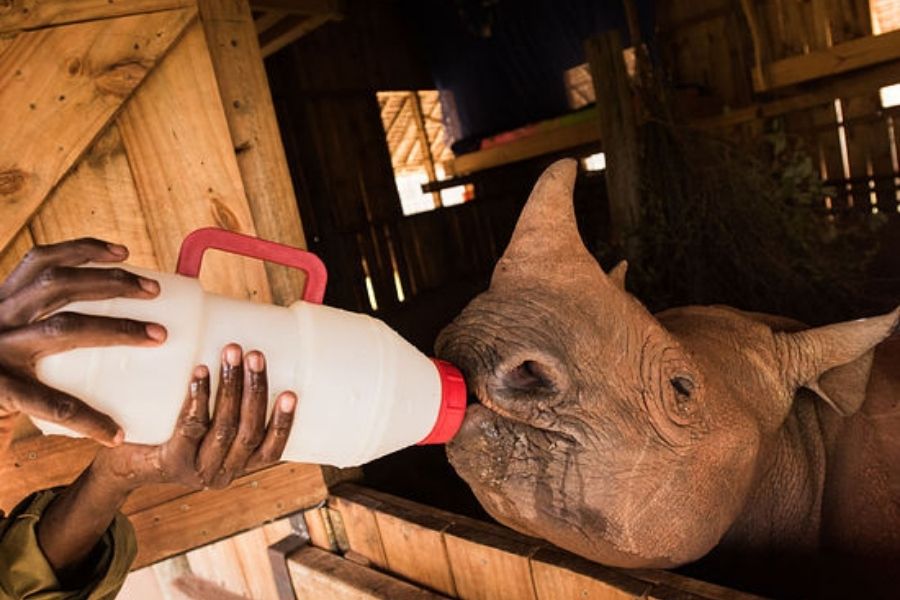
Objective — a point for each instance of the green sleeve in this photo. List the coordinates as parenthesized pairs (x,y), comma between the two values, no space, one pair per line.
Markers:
(25,572)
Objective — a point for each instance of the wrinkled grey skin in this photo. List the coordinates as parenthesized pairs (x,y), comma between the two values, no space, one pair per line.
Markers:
(644,441)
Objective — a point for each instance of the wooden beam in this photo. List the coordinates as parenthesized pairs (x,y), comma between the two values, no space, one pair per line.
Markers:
(848,85)
(203,517)
(300,7)
(59,88)
(422,136)
(466,558)
(320,574)
(289,30)
(618,129)
(255,136)
(266,20)
(184,166)
(16,15)
(566,135)
(842,58)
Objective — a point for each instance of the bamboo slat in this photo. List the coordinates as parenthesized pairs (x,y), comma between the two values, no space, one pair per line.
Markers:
(59,88)
(176,137)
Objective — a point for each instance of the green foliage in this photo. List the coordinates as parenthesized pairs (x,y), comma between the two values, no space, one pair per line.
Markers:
(744,226)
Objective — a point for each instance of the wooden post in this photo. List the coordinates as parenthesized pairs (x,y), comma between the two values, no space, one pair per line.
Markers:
(423,141)
(244,87)
(618,135)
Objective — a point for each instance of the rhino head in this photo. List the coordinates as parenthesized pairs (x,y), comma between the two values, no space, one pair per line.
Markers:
(628,438)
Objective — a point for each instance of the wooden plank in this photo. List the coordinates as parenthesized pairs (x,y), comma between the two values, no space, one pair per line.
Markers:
(177,141)
(414,546)
(487,563)
(300,7)
(266,20)
(98,199)
(220,565)
(358,523)
(842,58)
(197,588)
(556,139)
(58,88)
(41,462)
(255,135)
(142,585)
(278,553)
(209,515)
(319,574)
(34,14)
(319,528)
(289,30)
(12,254)
(251,548)
(822,92)
(618,129)
(668,585)
(561,575)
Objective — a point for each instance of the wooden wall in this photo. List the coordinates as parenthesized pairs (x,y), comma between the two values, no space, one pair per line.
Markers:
(138,123)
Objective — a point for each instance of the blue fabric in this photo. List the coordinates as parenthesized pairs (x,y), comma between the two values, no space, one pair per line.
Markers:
(514,75)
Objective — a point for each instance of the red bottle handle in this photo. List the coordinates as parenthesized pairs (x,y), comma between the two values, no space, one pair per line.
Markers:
(198,242)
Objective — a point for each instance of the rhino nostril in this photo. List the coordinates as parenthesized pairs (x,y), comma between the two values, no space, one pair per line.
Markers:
(529,376)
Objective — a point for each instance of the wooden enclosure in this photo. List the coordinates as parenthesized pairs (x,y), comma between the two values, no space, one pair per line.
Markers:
(138,122)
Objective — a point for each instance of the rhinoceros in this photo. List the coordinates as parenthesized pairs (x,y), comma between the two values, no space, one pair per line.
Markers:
(642,440)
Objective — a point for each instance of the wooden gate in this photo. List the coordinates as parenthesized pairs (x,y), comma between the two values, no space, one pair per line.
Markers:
(139,122)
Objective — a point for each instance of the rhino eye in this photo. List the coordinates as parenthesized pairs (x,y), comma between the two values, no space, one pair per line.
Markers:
(683,386)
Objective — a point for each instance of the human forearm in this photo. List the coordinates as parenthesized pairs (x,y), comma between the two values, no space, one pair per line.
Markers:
(76,520)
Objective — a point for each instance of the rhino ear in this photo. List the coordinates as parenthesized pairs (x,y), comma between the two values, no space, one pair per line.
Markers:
(834,361)
(617,274)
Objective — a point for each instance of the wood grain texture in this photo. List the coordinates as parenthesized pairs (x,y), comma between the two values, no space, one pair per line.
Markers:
(842,58)
(12,254)
(358,523)
(168,519)
(177,141)
(203,517)
(488,563)
(34,14)
(619,132)
(58,88)
(560,575)
(98,199)
(255,136)
(319,574)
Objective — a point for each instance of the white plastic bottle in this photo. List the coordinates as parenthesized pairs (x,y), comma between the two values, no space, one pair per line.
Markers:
(364,391)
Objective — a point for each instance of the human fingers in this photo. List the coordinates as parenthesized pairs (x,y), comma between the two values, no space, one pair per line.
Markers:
(38,400)
(66,254)
(252,424)
(277,433)
(223,429)
(180,453)
(56,286)
(23,346)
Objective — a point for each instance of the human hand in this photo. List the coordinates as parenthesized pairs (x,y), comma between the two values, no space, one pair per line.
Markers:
(204,452)
(46,280)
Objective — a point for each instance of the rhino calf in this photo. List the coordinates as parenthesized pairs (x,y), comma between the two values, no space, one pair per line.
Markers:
(640,440)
